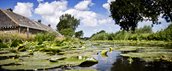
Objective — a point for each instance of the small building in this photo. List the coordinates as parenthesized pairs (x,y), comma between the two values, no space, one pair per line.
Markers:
(15,23)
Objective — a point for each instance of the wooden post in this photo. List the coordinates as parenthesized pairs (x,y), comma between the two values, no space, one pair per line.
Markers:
(27,32)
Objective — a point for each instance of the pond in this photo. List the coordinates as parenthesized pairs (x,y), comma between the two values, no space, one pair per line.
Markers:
(121,58)
(115,62)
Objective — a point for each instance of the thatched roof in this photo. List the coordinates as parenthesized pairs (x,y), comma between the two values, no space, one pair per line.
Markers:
(9,19)
(5,21)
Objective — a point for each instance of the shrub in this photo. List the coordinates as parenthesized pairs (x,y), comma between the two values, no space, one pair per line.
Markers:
(2,45)
(15,43)
(100,36)
(40,37)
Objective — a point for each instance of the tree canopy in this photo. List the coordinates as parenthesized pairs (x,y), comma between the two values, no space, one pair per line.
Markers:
(67,25)
(79,34)
(127,13)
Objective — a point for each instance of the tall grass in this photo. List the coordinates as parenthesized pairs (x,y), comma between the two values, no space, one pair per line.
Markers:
(144,33)
(13,36)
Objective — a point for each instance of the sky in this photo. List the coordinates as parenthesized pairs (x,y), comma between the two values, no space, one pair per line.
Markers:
(93,14)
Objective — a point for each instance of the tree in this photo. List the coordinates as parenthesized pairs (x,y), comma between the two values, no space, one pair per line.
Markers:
(67,32)
(126,13)
(79,34)
(67,25)
(165,7)
(154,8)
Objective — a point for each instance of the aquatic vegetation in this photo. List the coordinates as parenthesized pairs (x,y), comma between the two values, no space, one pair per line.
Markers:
(41,37)
(33,55)
(88,63)
(143,43)
(127,48)
(8,61)
(51,49)
(2,45)
(43,60)
(16,42)
(104,52)
(130,60)
(85,69)
(151,54)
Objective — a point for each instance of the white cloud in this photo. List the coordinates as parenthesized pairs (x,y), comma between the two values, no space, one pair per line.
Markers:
(24,9)
(106,5)
(106,21)
(50,8)
(88,18)
(40,1)
(50,12)
(84,5)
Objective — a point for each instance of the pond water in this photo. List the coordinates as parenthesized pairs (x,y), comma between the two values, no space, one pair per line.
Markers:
(105,63)
(112,61)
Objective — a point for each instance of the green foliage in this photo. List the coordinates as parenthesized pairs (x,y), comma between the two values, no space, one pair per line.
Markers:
(40,37)
(162,35)
(67,25)
(53,50)
(144,33)
(164,7)
(102,35)
(15,43)
(8,37)
(67,32)
(121,35)
(2,45)
(79,34)
(127,13)
(139,34)
(145,29)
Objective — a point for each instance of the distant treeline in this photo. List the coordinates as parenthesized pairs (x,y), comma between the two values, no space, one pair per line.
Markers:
(144,33)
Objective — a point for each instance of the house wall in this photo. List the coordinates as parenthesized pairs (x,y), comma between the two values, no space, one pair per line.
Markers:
(20,30)
(9,30)
(31,31)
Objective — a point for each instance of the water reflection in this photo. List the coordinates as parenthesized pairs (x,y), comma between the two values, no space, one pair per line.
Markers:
(114,62)
(105,63)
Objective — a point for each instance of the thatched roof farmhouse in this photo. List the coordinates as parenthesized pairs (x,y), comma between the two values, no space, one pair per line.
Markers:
(12,22)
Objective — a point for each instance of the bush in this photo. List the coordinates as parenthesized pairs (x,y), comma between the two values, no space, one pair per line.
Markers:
(40,37)
(2,45)
(100,36)
(69,32)
(165,35)
(15,43)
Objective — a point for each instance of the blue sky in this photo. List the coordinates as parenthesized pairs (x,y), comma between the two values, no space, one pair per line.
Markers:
(93,14)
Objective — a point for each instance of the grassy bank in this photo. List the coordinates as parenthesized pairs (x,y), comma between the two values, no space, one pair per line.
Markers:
(139,34)
(136,42)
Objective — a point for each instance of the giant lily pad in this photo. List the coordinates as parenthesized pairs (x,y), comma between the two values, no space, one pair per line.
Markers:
(151,56)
